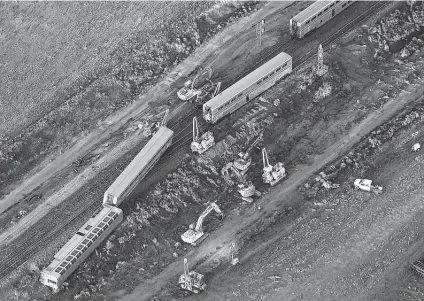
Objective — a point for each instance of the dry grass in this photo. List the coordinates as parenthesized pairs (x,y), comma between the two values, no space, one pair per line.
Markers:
(47,46)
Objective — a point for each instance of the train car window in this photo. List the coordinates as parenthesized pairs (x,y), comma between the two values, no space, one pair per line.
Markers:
(314,18)
(240,94)
(62,272)
(73,260)
(325,9)
(344,4)
(320,14)
(307,22)
(90,236)
(332,4)
(337,2)
(63,264)
(88,227)
(84,249)
(285,64)
(111,214)
(75,252)
(58,270)
(101,225)
(69,258)
(85,241)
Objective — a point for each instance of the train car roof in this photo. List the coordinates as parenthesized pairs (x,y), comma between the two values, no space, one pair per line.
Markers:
(85,229)
(311,10)
(140,161)
(248,80)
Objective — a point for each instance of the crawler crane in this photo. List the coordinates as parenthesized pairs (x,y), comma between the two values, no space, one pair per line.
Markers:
(245,188)
(203,143)
(209,90)
(244,160)
(272,174)
(191,280)
(195,235)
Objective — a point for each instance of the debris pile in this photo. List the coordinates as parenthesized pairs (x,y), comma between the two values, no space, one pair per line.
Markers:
(397,26)
(413,47)
(323,92)
(357,157)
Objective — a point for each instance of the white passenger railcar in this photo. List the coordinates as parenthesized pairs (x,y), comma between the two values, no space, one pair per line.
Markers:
(139,167)
(250,86)
(80,246)
(316,15)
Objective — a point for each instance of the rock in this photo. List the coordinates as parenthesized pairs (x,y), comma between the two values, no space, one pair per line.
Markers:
(276,102)
(177,244)
(175,255)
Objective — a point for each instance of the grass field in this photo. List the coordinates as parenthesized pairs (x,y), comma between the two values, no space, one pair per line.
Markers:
(67,66)
(47,47)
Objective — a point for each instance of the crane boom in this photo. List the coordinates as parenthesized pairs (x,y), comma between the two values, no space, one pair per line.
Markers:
(165,118)
(211,207)
(265,159)
(254,143)
(195,129)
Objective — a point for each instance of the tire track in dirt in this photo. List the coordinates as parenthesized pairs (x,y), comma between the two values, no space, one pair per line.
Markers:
(270,203)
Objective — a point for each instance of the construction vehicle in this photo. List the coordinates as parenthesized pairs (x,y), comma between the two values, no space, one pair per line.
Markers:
(194,235)
(366,185)
(272,174)
(191,94)
(192,281)
(202,143)
(244,160)
(151,129)
(245,188)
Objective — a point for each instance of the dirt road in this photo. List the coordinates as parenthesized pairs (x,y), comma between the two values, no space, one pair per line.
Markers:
(271,202)
(359,249)
(115,122)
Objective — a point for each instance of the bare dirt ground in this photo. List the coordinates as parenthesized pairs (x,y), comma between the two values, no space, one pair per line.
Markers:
(41,181)
(78,112)
(317,125)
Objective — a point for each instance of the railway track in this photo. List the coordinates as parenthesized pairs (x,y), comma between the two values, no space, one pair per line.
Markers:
(88,200)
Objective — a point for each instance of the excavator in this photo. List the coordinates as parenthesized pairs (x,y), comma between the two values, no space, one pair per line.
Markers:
(191,280)
(245,188)
(195,235)
(209,90)
(272,174)
(366,185)
(244,160)
(150,129)
(203,143)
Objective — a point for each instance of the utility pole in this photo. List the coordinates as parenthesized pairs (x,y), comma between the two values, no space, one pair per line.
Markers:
(320,69)
(260,29)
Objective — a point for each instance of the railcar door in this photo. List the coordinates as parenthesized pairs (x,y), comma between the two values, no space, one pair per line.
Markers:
(247,98)
(333,12)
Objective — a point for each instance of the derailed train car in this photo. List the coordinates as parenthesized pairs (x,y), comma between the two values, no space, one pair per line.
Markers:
(247,88)
(316,15)
(80,246)
(139,167)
